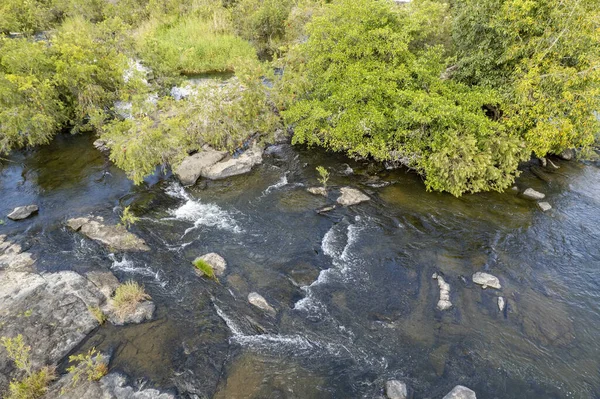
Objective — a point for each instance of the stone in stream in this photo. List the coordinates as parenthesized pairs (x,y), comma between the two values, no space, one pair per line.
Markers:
(102,146)
(444,302)
(216,261)
(325,209)
(235,166)
(114,236)
(192,167)
(143,311)
(501,304)
(531,194)
(567,155)
(351,196)
(460,392)
(260,302)
(22,212)
(317,191)
(544,206)
(486,280)
(11,256)
(395,389)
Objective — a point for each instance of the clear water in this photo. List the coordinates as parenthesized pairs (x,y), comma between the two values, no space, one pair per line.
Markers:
(353,290)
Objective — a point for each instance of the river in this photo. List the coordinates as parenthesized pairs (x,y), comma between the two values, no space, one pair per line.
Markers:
(353,288)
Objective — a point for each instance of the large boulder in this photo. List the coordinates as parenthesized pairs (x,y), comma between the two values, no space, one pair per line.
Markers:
(114,236)
(486,280)
(235,166)
(193,166)
(460,392)
(12,256)
(22,212)
(351,196)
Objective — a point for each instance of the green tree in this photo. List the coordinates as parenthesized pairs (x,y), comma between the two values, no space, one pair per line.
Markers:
(366,82)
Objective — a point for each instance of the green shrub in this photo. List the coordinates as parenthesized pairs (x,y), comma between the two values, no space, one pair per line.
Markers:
(91,365)
(323,175)
(126,298)
(205,268)
(128,218)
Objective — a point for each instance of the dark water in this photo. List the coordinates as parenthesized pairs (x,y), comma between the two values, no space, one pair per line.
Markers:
(353,289)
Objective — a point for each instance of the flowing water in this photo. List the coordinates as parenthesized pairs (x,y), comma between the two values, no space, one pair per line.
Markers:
(355,301)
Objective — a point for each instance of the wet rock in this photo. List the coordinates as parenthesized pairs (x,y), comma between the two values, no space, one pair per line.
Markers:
(317,191)
(216,261)
(102,146)
(444,302)
(551,165)
(22,212)
(545,319)
(486,280)
(105,282)
(143,311)
(12,257)
(501,304)
(567,155)
(325,209)
(260,302)
(192,167)
(282,136)
(461,392)
(395,389)
(235,166)
(531,194)
(544,206)
(351,196)
(115,236)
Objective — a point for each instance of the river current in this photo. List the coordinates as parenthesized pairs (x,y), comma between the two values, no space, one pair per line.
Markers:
(353,288)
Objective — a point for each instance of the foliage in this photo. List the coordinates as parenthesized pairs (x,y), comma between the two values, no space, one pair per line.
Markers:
(97,313)
(323,175)
(192,45)
(544,56)
(128,218)
(91,365)
(205,268)
(35,383)
(126,298)
(27,16)
(367,85)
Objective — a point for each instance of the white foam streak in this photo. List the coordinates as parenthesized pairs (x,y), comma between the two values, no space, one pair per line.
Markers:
(127,266)
(235,330)
(283,181)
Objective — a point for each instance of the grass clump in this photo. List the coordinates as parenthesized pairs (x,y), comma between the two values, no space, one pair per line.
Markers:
(34,384)
(97,313)
(127,296)
(205,268)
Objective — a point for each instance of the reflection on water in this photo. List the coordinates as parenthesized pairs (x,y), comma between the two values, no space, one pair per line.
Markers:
(355,301)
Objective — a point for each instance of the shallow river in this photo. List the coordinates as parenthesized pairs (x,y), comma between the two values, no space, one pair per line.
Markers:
(355,301)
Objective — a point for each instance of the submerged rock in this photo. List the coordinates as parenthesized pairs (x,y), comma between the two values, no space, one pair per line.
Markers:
(444,302)
(193,166)
(260,302)
(235,166)
(531,194)
(114,236)
(317,191)
(544,206)
(501,304)
(216,261)
(461,392)
(486,280)
(351,196)
(22,212)
(395,389)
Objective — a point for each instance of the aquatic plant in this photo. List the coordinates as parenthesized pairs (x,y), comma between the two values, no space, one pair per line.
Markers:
(324,175)
(128,218)
(35,383)
(127,296)
(205,268)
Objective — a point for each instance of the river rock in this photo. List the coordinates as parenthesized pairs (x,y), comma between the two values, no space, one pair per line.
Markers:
(12,257)
(444,302)
(351,196)
(235,166)
(567,155)
(501,304)
(317,191)
(395,389)
(260,302)
(102,146)
(325,209)
(22,212)
(486,280)
(531,194)
(105,282)
(114,236)
(216,261)
(461,392)
(544,206)
(143,311)
(192,167)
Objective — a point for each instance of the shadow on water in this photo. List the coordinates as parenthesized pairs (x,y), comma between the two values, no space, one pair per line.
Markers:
(353,290)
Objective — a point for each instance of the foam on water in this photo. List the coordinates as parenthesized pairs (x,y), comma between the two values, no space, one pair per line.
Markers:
(281,183)
(210,215)
(127,266)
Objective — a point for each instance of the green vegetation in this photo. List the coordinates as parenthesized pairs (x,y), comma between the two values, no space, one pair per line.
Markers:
(91,366)
(34,384)
(460,92)
(205,268)
(126,298)
(97,313)
(323,175)
(128,218)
